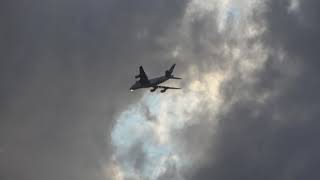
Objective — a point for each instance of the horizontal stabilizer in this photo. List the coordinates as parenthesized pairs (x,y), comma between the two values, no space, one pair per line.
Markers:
(175,77)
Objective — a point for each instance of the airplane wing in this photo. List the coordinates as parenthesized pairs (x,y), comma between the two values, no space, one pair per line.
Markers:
(164,88)
(167,87)
(142,75)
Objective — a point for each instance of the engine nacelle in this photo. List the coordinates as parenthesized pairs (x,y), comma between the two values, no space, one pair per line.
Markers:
(163,90)
(137,76)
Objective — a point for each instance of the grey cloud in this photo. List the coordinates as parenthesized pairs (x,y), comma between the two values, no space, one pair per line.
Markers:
(277,138)
(147,113)
(134,156)
(170,172)
(66,66)
(65,71)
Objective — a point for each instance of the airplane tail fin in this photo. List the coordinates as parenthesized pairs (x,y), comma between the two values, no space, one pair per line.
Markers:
(172,67)
(170,71)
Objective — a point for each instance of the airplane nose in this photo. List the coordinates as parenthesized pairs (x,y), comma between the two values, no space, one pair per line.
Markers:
(131,88)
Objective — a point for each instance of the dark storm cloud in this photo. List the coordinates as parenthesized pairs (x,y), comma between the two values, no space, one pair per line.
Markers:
(277,138)
(65,70)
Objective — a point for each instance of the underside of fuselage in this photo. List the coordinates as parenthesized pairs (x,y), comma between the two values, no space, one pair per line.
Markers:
(152,83)
(159,80)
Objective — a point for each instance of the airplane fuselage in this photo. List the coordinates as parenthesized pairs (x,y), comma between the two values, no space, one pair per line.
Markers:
(158,80)
(151,83)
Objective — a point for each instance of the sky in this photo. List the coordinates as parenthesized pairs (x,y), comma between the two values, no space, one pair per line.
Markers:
(248,108)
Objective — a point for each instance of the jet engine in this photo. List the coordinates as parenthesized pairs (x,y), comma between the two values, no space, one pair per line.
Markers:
(137,76)
(163,90)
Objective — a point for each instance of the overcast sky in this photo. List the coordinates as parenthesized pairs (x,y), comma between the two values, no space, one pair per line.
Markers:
(248,108)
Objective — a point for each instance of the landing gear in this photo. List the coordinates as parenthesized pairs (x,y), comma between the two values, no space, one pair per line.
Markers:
(155,88)
(163,90)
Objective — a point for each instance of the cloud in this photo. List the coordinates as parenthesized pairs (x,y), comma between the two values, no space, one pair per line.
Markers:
(65,71)
(186,122)
(248,108)
(268,128)
(259,120)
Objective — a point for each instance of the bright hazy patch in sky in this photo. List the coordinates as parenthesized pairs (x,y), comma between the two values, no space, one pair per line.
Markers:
(226,9)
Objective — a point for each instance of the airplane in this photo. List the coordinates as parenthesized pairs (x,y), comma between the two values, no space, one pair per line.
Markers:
(144,82)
